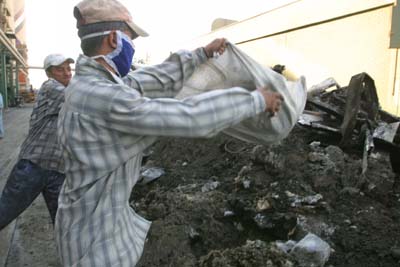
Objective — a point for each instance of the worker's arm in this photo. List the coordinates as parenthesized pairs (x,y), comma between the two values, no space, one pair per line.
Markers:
(199,116)
(50,98)
(57,98)
(167,78)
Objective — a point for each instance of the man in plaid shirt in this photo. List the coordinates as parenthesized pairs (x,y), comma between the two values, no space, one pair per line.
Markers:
(40,168)
(111,115)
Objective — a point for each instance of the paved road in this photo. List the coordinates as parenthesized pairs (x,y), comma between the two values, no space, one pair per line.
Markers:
(28,241)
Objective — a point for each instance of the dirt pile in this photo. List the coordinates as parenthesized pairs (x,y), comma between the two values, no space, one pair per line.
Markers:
(223,202)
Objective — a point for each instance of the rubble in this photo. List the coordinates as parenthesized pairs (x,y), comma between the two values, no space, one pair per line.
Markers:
(240,204)
(353,115)
(150,174)
(311,251)
(210,186)
(251,254)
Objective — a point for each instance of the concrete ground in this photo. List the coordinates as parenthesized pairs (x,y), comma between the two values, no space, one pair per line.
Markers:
(29,240)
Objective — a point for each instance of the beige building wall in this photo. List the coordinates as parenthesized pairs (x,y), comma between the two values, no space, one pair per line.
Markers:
(6,14)
(19,20)
(321,39)
(12,22)
(13,37)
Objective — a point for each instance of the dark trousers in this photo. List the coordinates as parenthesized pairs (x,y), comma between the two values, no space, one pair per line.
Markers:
(26,181)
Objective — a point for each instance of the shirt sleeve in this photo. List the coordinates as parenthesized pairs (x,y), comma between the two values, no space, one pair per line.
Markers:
(167,78)
(202,115)
(54,98)
(49,101)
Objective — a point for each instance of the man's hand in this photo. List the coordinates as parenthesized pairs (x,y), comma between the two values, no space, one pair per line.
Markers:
(273,100)
(215,47)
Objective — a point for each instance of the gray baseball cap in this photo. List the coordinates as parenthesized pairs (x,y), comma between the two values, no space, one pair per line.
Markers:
(97,11)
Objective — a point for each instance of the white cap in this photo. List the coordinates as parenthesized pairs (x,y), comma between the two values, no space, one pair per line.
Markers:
(56,60)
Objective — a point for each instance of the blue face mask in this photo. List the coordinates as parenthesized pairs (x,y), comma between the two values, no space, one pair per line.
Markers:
(121,58)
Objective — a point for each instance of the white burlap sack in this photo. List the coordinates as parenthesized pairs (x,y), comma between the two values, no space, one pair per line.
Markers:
(235,68)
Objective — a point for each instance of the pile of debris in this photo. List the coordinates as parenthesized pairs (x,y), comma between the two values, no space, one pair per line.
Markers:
(328,195)
(353,115)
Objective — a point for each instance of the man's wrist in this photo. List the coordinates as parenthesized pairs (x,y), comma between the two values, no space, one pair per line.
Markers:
(260,104)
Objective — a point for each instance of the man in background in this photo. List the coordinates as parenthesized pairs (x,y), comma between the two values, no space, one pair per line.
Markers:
(40,167)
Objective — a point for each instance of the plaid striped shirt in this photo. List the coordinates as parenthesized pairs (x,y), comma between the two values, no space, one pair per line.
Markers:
(104,126)
(41,146)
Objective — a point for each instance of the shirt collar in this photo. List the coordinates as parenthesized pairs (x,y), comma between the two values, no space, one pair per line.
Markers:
(88,66)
